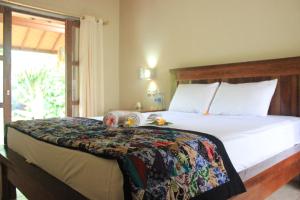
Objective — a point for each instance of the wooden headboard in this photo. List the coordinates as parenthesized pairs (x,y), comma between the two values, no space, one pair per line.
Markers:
(286,100)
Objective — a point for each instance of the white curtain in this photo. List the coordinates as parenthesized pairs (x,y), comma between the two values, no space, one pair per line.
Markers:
(91,80)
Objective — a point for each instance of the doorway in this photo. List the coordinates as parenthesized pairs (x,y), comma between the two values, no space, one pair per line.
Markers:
(38,66)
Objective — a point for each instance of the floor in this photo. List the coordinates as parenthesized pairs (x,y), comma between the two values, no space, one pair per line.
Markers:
(20,196)
(290,191)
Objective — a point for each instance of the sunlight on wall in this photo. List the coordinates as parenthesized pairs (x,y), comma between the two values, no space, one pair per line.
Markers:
(152,89)
(152,61)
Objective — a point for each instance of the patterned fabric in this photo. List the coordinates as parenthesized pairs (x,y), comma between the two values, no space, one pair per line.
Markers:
(157,163)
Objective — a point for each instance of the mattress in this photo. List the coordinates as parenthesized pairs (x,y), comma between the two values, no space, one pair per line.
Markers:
(248,140)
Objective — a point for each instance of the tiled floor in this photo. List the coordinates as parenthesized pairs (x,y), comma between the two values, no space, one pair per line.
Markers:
(20,196)
(290,191)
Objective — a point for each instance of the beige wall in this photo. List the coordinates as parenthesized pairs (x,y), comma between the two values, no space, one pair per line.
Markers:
(181,33)
(107,10)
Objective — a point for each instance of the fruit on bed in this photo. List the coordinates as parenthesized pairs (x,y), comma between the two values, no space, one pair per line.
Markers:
(160,122)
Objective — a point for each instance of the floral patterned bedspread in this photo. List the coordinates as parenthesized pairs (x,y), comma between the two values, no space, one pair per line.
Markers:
(157,163)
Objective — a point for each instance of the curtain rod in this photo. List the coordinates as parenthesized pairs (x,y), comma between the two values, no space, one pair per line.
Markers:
(39,11)
(104,22)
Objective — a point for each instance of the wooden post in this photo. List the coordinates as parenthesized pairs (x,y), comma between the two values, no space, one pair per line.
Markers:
(7,64)
(68,60)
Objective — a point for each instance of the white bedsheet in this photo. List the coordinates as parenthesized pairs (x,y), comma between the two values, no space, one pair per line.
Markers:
(248,141)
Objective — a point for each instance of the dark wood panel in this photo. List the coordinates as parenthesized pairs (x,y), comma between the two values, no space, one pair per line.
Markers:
(275,67)
(7,190)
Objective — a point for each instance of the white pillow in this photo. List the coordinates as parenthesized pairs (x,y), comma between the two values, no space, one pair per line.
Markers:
(243,99)
(194,98)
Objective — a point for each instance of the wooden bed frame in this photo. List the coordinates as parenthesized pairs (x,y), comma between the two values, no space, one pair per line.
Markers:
(260,180)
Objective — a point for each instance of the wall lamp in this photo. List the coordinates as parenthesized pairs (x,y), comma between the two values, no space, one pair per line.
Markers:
(147,73)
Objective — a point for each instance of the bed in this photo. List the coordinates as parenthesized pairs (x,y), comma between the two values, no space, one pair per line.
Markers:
(265,166)
(270,135)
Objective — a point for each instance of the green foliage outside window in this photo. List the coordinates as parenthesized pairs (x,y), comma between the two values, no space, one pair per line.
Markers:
(39,93)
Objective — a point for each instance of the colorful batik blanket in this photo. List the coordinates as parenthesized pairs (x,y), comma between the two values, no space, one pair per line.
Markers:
(157,163)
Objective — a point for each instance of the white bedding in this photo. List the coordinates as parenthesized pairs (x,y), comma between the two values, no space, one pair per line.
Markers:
(248,141)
